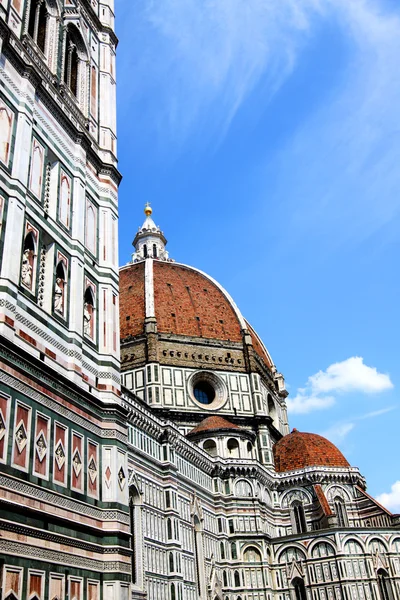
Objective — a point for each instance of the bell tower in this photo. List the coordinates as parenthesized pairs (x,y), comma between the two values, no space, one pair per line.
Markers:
(62,424)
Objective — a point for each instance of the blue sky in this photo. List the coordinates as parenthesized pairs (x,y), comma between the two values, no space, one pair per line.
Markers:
(265,134)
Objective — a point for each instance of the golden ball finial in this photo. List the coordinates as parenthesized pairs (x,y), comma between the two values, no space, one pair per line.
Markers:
(147,209)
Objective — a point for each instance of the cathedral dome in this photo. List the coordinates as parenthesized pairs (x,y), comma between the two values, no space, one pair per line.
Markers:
(183,302)
(214,424)
(298,450)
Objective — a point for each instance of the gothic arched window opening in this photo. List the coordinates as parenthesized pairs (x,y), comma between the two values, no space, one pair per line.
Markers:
(154,251)
(236,578)
(88,313)
(385,588)
(135,532)
(299,517)
(28,267)
(60,289)
(37,25)
(340,511)
(75,58)
(299,589)
(145,250)
(233,551)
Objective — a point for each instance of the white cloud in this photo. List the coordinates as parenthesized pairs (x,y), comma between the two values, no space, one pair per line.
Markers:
(391,500)
(338,432)
(303,403)
(376,413)
(350,375)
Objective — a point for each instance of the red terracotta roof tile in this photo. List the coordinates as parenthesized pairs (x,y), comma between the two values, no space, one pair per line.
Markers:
(213,423)
(298,450)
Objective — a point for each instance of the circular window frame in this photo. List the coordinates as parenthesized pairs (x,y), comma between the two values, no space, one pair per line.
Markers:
(217,383)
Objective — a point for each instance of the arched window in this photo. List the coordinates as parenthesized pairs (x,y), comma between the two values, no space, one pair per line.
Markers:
(91,227)
(236,578)
(233,448)
(60,289)
(135,533)
(154,250)
(88,313)
(6,127)
(243,489)
(299,589)
(252,555)
(222,550)
(145,250)
(233,551)
(171,562)
(93,91)
(299,517)
(37,25)
(173,593)
(36,172)
(75,58)
(210,447)
(340,511)
(225,578)
(28,267)
(169,529)
(385,587)
(271,408)
(249,448)
(64,205)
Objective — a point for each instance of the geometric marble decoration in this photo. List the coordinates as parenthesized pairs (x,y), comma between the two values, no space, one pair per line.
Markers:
(121,478)
(2,425)
(108,476)
(77,462)
(41,446)
(92,468)
(59,454)
(21,437)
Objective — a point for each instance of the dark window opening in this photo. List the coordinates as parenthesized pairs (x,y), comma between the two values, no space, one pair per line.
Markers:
(204,392)
(145,251)
(300,589)
(299,518)
(154,251)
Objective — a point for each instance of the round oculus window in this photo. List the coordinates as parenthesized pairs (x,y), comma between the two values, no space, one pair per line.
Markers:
(207,389)
(204,392)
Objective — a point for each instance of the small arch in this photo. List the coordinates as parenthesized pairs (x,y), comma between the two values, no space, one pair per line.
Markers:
(233,447)
(74,59)
(243,489)
(384,584)
(299,588)
(173,593)
(169,529)
(222,550)
(171,562)
(271,407)
(225,578)
(252,555)
(210,447)
(352,546)
(28,266)
(299,517)
(340,510)
(145,250)
(60,288)
(236,579)
(233,551)
(154,250)
(6,127)
(88,312)
(249,448)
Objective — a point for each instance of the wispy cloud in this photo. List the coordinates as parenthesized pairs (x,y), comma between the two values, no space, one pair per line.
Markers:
(350,375)
(190,56)
(338,432)
(391,500)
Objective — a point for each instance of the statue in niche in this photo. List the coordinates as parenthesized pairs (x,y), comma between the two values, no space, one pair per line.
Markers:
(87,319)
(59,295)
(26,269)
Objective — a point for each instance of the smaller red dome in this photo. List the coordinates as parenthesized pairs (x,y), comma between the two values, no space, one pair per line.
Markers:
(298,450)
(213,423)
